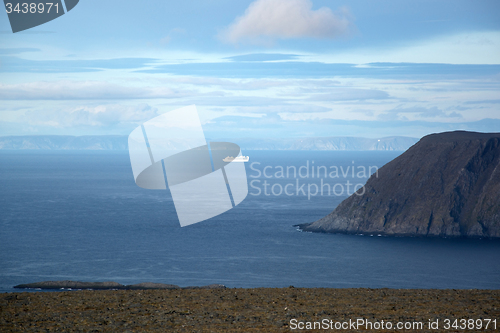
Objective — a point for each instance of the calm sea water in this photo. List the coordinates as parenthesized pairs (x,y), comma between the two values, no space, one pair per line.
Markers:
(80,216)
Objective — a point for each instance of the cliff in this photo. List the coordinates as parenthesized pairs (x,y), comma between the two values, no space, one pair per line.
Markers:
(446,185)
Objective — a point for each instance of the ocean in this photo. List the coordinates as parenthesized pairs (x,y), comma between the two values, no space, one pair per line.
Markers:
(78,215)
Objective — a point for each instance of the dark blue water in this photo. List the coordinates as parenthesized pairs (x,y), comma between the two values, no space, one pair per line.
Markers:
(80,216)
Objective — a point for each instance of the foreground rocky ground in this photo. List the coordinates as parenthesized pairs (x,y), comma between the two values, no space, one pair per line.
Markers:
(238,310)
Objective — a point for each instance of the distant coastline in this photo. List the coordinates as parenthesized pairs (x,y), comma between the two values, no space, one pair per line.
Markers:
(120,142)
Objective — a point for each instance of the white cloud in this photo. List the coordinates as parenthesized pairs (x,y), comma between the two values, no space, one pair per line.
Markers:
(418,112)
(475,47)
(285,108)
(69,90)
(266,20)
(229,84)
(350,94)
(98,116)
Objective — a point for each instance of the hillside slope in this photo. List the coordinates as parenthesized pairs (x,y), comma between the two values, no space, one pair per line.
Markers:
(446,185)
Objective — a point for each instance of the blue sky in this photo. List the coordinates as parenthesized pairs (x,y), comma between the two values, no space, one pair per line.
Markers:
(265,68)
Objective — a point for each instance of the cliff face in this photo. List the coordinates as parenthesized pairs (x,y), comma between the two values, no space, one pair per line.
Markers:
(446,185)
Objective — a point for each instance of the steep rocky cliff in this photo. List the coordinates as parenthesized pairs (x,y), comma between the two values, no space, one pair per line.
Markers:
(446,185)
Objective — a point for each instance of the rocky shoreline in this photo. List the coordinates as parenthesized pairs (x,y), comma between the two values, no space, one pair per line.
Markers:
(239,310)
(108,285)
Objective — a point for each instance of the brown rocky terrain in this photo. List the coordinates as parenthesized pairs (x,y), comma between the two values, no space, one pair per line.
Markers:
(240,310)
(446,185)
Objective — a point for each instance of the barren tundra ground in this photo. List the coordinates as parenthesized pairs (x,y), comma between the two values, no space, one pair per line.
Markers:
(238,310)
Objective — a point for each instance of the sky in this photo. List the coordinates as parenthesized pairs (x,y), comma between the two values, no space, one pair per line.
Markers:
(256,69)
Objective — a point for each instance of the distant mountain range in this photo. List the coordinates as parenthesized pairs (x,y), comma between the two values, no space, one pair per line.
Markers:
(396,143)
(64,142)
(118,142)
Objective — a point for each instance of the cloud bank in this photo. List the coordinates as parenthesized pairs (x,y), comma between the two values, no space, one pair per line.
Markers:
(94,116)
(68,90)
(266,20)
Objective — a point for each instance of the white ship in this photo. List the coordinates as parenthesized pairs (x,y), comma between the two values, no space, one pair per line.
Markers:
(236,159)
